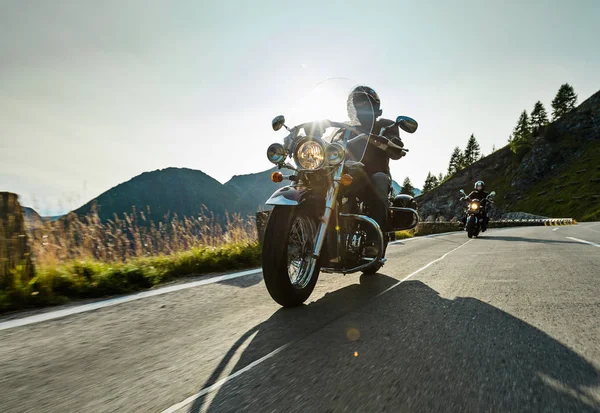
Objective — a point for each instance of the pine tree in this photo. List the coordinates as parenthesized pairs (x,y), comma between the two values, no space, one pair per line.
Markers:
(435,181)
(522,132)
(521,137)
(564,102)
(539,117)
(407,187)
(456,161)
(472,152)
(428,185)
(440,178)
(493,148)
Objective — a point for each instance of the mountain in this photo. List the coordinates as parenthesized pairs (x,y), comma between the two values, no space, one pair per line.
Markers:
(185,192)
(181,191)
(558,176)
(256,188)
(32,218)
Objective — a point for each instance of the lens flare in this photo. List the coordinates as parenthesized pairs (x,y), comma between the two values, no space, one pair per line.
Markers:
(353,334)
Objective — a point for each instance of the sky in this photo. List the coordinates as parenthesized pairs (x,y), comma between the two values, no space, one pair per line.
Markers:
(94,93)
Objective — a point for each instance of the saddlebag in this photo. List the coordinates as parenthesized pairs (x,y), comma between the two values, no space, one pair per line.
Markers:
(403,214)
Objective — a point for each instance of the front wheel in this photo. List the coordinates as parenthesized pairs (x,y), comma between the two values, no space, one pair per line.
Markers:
(470,227)
(372,270)
(289,271)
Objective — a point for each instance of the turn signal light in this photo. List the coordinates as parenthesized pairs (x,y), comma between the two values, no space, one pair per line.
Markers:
(346,180)
(277,177)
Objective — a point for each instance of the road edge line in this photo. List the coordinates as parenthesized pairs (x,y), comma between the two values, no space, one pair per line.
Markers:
(83,308)
(584,241)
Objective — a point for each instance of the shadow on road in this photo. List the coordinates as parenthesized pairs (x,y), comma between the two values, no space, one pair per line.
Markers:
(287,325)
(419,352)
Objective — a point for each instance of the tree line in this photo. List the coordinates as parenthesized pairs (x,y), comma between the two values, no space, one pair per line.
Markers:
(528,127)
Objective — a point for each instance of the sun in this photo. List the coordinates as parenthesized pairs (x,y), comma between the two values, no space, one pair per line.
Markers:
(327,100)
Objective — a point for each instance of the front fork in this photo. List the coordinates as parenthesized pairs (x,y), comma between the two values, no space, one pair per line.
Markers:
(330,199)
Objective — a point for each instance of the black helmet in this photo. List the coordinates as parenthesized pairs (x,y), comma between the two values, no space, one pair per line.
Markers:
(363,103)
(478,183)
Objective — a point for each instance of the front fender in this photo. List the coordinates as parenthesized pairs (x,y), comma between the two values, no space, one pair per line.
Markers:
(473,218)
(289,196)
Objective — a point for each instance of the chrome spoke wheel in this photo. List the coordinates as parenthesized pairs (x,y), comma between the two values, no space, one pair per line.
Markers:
(300,248)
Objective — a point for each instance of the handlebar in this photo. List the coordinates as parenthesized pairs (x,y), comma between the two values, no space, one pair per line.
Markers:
(380,141)
(487,199)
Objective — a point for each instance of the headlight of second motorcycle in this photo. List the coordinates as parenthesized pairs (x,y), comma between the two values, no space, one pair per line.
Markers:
(334,154)
(310,155)
(474,206)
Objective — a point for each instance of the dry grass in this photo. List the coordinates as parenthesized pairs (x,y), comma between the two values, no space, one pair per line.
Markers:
(83,258)
(133,236)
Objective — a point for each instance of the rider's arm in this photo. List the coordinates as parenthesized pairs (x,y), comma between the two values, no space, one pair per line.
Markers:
(393,134)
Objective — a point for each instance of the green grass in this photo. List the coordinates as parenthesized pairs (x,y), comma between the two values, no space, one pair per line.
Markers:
(79,279)
(570,192)
(405,234)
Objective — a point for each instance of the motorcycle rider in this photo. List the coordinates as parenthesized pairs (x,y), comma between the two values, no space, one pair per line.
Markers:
(480,194)
(364,110)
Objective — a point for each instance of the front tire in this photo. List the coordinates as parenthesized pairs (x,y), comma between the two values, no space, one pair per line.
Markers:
(286,256)
(372,270)
(470,228)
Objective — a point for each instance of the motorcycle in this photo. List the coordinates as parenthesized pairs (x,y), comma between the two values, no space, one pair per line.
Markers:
(318,224)
(475,213)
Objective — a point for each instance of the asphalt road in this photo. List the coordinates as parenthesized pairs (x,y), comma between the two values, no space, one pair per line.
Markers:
(509,322)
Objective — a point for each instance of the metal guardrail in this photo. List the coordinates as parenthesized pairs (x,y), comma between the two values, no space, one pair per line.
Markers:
(426,228)
(534,222)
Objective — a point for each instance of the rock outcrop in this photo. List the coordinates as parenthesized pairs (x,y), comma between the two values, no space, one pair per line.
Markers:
(15,252)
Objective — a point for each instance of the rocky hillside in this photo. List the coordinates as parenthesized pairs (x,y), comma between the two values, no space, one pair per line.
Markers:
(558,176)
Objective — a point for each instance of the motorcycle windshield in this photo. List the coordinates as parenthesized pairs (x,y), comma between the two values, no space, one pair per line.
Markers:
(329,112)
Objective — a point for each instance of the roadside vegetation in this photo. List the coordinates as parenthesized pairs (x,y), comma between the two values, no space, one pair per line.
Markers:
(77,258)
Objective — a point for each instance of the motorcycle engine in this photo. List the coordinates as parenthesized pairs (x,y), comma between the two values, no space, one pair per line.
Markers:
(354,244)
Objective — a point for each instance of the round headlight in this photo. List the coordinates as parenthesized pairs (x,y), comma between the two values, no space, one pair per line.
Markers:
(474,206)
(276,153)
(334,154)
(310,155)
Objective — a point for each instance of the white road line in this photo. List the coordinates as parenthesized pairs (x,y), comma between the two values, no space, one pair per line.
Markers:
(584,241)
(400,241)
(221,382)
(52,315)
(421,269)
(555,229)
(250,366)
